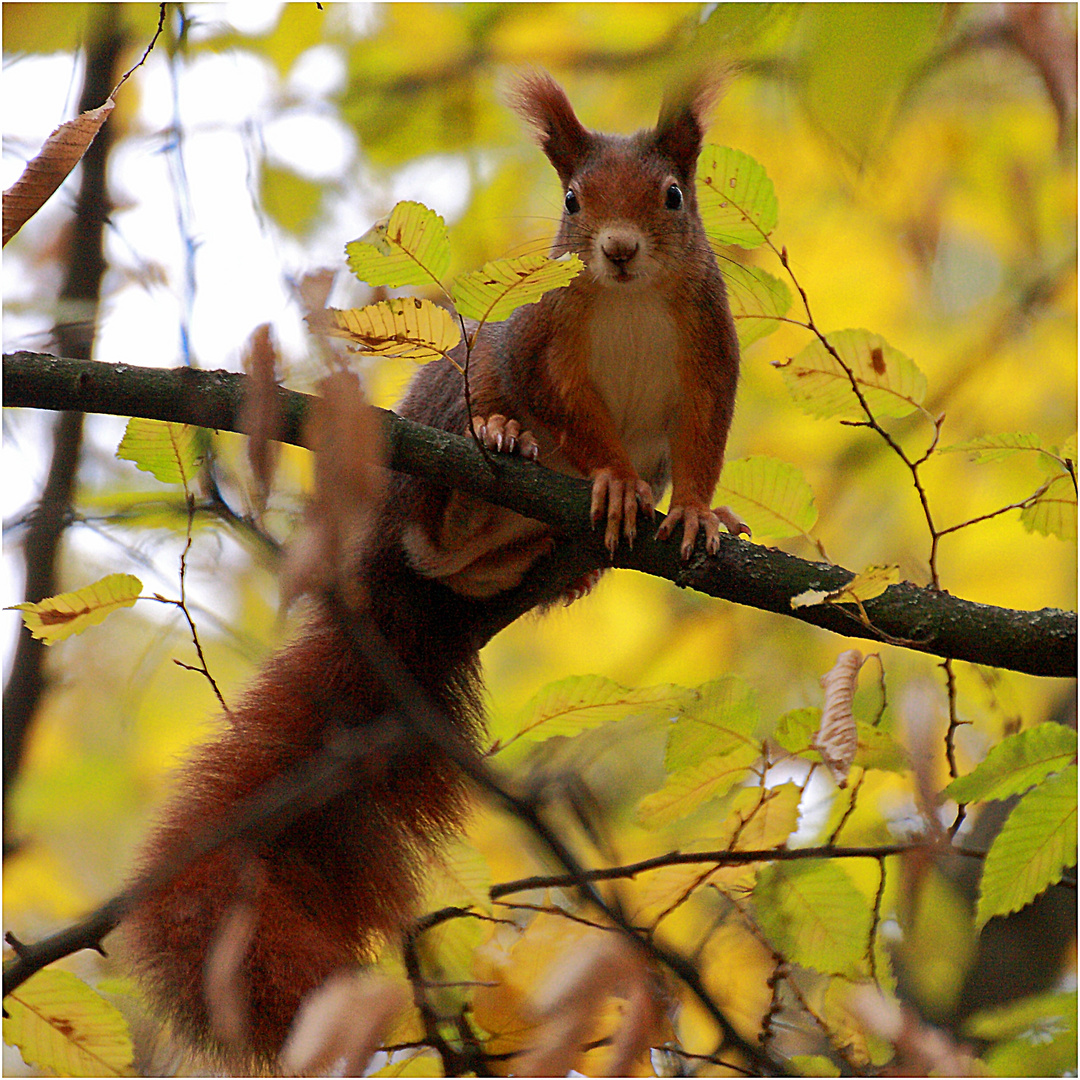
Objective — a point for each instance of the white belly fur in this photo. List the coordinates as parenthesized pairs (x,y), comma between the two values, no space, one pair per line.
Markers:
(632,342)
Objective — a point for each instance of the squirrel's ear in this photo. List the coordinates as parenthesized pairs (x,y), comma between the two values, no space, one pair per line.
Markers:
(541,101)
(683,115)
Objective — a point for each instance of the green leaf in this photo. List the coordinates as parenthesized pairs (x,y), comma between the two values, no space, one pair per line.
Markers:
(772,495)
(411,247)
(813,915)
(995,447)
(1054,512)
(58,617)
(812,1065)
(1036,843)
(168,451)
(406,328)
(717,718)
(758,301)
(1035,1036)
(736,198)
(583,702)
(60,1024)
(889,381)
(688,788)
(877,749)
(501,287)
(1017,763)
(293,201)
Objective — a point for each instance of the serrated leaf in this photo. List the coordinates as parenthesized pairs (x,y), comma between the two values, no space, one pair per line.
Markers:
(501,287)
(60,1024)
(716,718)
(758,300)
(736,198)
(1017,763)
(168,451)
(411,247)
(995,447)
(813,915)
(889,381)
(583,702)
(58,617)
(1036,843)
(772,495)
(407,328)
(687,789)
(1054,512)
(869,582)
(763,818)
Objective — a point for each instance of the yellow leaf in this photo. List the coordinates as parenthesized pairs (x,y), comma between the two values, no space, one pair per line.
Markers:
(889,381)
(60,1024)
(411,247)
(773,496)
(1054,512)
(736,197)
(407,328)
(501,287)
(168,451)
(59,617)
(867,584)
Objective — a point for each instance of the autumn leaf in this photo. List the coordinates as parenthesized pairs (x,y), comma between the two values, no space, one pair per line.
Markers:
(889,381)
(1054,512)
(49,168)
(772,495)
(58,617)
(501,287)
(411,247)
(870,582)
(1036,843)
(407,328)
(837,738)
(60,1024)
(758,301)
(170,452)
(736,198)
(1017,763)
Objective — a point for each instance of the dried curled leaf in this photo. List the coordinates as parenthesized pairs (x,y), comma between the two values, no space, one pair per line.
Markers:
(889,381)
(411,247)
(837,738)
(58,617)
(60,1024)
(48,169)
(261,417)
(501,287)
(408,328)
(346,437)
(343,1023)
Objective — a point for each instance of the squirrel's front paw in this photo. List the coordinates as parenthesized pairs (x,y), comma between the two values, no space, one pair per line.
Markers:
(620,492)
(505,436)
(694,517)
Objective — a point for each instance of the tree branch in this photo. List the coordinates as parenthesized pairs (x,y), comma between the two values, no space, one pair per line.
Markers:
(1035,642)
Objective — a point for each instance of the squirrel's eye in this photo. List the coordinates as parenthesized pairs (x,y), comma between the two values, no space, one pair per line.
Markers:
(571,203)
(673,199)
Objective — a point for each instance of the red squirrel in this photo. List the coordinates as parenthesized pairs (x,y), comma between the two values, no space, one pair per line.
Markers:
(626,377)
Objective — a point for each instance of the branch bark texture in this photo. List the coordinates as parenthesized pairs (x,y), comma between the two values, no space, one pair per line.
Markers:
(1034,642)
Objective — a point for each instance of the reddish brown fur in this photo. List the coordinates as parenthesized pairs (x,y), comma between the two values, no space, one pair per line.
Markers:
(628,377)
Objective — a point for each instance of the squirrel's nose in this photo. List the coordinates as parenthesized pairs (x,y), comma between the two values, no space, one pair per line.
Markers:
(619,248)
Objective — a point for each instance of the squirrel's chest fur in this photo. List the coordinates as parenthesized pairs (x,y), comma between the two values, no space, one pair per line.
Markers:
(632,344)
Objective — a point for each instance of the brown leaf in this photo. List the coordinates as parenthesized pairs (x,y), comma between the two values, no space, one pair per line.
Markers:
(346,437)
(569,1004)
(260,412)
(344,1020)
(44,173)
(837,738)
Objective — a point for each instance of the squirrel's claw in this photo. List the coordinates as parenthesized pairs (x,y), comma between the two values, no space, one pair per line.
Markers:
(621,495)
(503,436)
(695,517)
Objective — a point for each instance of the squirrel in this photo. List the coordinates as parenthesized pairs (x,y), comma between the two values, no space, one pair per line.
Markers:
(626,377)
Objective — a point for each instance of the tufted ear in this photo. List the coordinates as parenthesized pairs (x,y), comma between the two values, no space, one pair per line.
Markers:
(683,116)
(541,101)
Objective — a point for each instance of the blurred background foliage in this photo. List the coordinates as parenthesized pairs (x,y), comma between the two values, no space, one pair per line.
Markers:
(924,159)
